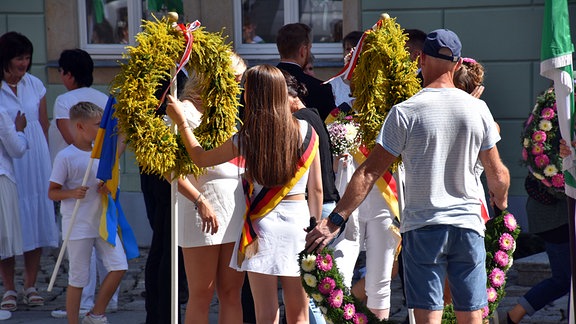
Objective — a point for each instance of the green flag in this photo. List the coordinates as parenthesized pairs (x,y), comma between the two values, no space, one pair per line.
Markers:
(170,5)
(556,64)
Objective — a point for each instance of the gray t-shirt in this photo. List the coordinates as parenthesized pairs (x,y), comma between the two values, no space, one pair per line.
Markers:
(440,132)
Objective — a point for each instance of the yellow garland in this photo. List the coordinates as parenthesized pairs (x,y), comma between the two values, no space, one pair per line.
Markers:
(384,76)
(160,46)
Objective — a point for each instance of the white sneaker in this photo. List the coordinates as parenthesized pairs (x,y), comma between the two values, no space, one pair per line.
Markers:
(90,319)
(4,315)
(60,313)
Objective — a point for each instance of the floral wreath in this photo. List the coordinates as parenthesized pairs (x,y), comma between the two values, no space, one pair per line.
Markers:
(323,281)
(386,76)
(540,142)
(160,45)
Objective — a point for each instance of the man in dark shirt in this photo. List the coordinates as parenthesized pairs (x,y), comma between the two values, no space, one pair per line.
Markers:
(294,45)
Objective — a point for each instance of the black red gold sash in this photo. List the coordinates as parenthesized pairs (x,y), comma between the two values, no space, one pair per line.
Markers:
(268,198)
(386,183)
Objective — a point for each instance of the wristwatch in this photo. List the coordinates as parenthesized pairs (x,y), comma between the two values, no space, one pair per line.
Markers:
(337,219)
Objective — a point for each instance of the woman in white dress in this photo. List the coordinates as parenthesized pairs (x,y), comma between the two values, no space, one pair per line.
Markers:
(23,92)
(281,162)
(216,198)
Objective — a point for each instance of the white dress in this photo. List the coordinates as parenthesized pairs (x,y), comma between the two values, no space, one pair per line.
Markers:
(221,186)
(32,171)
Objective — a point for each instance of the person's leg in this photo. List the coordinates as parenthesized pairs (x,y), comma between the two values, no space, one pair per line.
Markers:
(31,267)
(79,254)
(295,300)
(7,269)
(467,274)
(107,289)
(201,281)
(549,289)
(228,286)
(424,262)
(265,292)
(73,296)
(87,301)
(114,261)
(381,246)
(101,270)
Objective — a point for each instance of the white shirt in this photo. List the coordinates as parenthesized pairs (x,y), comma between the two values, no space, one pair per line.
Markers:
(68,170)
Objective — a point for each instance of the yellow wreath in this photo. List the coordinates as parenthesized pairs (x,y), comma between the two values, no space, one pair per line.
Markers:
(385,75)
(159,47)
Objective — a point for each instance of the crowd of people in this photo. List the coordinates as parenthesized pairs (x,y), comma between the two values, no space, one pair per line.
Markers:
(243,220)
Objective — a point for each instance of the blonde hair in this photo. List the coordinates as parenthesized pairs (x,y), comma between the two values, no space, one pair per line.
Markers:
(84,111)
(269,138)
(238,64)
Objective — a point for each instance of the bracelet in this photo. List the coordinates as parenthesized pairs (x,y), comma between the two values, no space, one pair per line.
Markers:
(198,200)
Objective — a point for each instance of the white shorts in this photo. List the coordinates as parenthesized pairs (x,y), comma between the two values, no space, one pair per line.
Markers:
(79,252)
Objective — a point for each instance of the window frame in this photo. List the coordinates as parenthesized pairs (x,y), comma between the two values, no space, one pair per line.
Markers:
(269,51)
(110,51)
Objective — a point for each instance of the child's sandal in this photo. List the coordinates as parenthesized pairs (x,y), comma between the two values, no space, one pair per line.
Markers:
(32,297)
(9,301)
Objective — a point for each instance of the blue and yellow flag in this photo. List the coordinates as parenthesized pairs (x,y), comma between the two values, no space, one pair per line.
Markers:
(112,220)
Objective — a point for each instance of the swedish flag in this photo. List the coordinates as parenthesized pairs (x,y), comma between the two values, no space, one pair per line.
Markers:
(112,219)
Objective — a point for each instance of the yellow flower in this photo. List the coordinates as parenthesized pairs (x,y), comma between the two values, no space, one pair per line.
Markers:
(550,170)
(309,263)
(317,297)
(310,280)
(526,142)
(538,176)
(545,125)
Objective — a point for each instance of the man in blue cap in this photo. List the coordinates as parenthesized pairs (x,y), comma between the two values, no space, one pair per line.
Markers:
(440,133)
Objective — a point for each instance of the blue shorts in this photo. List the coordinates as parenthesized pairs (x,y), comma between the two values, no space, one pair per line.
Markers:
(433,252)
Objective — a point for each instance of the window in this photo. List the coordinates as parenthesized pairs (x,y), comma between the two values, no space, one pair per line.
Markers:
(257,21)
(107,26)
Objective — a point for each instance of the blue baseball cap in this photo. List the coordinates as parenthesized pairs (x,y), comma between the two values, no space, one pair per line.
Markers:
(443,38)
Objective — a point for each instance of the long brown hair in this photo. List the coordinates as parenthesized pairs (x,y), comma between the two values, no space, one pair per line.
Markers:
(269,138)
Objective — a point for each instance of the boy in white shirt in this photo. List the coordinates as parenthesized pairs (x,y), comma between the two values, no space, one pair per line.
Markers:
(68,172)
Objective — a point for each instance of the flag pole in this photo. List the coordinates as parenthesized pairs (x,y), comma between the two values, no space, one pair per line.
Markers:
(174,223)
(69,231)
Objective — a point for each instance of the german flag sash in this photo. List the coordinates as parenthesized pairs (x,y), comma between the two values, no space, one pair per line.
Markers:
(268,198)
(386,183)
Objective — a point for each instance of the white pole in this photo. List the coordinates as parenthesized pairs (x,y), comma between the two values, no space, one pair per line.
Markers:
(69,231)
(174,224)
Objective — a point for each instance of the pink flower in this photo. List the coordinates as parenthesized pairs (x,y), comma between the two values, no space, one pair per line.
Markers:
(348,118)
(554,106)
(360,318)
(336,297)
(497,277)
(524,154)
(537,149)
(492,294)
(349,311)
(506,242)
(485,311)
(326,285)
(558,180)
(539,136)
(324,263)
(501,258)
(510,222)
(542,160)
(548,113)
